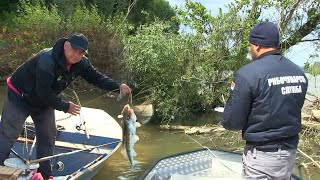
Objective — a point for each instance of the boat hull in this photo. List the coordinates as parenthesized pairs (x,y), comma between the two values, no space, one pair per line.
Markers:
(83,143)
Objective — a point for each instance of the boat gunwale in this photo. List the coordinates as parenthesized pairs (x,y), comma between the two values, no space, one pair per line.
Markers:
(147,172)
(93,164)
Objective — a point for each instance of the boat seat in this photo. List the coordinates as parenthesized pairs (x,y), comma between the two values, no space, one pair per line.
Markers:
(9,173)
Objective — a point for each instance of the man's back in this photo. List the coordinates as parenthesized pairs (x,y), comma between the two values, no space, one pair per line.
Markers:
(265,102)
(276,88)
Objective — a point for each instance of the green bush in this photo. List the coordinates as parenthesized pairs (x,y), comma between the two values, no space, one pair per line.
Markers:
(174,71)
(184,74)
(40,21)
(29,31)
(36,27)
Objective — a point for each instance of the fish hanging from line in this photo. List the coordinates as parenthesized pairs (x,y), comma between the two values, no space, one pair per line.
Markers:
(129,126)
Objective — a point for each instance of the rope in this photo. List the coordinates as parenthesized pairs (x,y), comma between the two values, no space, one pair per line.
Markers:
(212,154)
(65,118)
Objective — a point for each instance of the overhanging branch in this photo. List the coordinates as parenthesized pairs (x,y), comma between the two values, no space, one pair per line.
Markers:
(303,31)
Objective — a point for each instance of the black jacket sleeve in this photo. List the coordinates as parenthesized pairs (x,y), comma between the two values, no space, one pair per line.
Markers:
(44,81)
(91,75)
(238,106)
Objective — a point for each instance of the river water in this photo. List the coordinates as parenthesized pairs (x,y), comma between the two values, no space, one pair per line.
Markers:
(154,143)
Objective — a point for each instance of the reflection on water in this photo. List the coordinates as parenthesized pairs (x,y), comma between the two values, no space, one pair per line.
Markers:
(153,144)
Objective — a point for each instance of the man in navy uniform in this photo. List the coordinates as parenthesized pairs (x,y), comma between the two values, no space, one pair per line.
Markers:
(265,102)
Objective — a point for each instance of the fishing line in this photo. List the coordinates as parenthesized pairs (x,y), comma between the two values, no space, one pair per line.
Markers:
(219,160)
(100,96)
(83,122)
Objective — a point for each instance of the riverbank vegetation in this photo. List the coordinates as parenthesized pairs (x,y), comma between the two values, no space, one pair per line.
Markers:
(182,59)
(182,72)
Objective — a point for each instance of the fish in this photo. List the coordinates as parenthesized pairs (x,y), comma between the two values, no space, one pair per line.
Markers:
(129,126)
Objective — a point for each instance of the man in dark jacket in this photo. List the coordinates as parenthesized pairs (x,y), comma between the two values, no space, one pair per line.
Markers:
(33,90)
(265,103)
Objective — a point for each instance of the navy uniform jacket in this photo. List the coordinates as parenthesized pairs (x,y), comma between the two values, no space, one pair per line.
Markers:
(266,100)
(45,75)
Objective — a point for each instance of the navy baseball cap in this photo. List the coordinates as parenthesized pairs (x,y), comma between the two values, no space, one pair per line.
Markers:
(78,41)
(265,34)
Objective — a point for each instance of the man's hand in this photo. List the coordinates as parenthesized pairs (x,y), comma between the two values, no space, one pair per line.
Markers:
(74,109)
(125,89)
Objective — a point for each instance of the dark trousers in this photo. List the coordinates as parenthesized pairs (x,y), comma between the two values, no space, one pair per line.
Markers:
(14,114)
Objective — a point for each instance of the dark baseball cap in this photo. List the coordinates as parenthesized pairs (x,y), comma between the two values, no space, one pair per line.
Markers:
(78,41)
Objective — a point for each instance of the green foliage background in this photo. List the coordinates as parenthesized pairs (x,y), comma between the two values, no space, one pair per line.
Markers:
(183,73)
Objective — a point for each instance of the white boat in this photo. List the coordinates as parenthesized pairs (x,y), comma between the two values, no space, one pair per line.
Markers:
(83,144)
(203,164)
